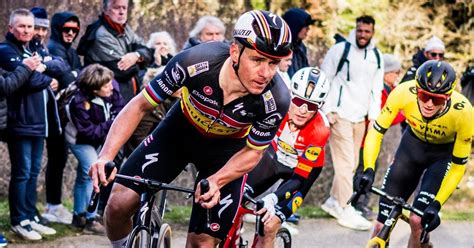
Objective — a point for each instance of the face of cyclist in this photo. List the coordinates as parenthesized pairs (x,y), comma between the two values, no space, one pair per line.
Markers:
(211,33)
(22,28)
(300,115)
(364,33)
(255,70)
(117,11)
(430,104)
(285,63)
(106,90)
(435,54)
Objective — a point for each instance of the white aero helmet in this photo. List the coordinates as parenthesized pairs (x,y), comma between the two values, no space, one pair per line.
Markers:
(310,84)
(265,32)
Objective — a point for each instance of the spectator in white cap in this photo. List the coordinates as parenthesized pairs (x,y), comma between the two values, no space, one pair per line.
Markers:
(434,50)
(41,23)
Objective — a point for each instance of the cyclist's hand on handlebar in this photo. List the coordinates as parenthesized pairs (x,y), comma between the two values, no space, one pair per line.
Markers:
(97,173)
(209,199)
(269,202)
(430,219)
(364,182)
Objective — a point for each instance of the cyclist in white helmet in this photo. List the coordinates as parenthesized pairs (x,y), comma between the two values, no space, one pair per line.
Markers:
(296,154)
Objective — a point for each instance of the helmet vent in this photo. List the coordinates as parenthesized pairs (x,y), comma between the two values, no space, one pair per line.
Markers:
(309,89)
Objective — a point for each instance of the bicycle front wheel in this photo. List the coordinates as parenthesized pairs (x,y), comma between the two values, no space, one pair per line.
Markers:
(283,238)
(139,238)
(164,238)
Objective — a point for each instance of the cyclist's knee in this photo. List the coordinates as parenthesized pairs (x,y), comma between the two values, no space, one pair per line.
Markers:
(201,240)
(122,203)
(415,222)
(271,227)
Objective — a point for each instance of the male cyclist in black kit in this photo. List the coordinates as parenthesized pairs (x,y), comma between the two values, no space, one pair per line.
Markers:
(231,106)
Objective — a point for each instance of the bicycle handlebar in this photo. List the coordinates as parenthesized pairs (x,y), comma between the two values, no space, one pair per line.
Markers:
(109,167)
(204,185)
(395,200)
(152,184)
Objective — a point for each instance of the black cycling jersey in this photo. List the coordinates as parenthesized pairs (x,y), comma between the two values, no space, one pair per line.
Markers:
(201,130)
(413,160)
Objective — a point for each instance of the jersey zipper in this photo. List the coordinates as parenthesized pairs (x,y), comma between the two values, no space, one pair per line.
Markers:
(221,111)
(426,130)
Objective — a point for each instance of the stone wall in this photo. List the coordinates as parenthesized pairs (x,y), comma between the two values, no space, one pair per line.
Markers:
(318,193)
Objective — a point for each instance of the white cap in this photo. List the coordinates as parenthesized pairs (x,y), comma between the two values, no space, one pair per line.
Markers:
(434,43)
(391,63)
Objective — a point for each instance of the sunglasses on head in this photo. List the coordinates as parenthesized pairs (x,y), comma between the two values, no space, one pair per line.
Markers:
(68,29)
(299,102)
(439,55)
(425,96)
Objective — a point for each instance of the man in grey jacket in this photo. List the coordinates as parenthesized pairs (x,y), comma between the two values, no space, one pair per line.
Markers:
(112,43)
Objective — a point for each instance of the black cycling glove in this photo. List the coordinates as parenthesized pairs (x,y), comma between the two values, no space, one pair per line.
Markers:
(364,182)
(430,219)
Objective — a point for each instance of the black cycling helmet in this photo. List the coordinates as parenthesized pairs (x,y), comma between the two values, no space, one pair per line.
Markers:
(436,77)
(264,32)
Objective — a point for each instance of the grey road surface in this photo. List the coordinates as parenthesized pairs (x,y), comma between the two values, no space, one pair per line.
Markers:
(312,234)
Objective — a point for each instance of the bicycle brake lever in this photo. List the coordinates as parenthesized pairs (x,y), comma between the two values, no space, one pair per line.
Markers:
(109,167)
(204,183)
(424,238)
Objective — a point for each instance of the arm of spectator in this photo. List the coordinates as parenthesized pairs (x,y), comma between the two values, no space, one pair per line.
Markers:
(10,82)
(55,67)
(88,130)
(120,75)
(146,54)
(128,60)
(54,85)
(37,82)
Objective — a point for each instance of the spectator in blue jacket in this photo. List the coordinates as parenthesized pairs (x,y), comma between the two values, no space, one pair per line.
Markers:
(65,27)
(9,83)
(92,110)
(29,109)
(299,21)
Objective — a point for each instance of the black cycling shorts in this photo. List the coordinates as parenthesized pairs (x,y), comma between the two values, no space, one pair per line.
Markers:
(415,160)
(165,153)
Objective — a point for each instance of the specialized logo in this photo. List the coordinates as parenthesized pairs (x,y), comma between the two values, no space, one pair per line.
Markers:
(225,203)
(269,102)
(215,227)
(152,158)
(237,107)
(241,32)
(312,153)
(178,74)
(196,69)
(207,90)
(272,119)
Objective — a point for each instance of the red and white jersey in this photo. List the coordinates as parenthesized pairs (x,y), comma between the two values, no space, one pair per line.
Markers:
(304,149)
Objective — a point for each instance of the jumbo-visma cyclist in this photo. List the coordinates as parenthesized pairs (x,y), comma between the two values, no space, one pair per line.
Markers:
(231,107)
(433,151)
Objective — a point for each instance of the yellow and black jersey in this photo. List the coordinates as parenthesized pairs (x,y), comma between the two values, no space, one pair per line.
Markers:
(453,125)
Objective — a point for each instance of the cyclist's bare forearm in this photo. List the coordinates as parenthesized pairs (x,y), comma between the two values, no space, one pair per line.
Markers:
(242,162)
(124,125)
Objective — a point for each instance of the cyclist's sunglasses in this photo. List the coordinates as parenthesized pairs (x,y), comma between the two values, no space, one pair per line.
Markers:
(439,55)
(424,96)
(69,29)
(311,107)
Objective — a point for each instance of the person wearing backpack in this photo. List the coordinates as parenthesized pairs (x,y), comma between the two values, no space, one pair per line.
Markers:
(91,111)
(355,71)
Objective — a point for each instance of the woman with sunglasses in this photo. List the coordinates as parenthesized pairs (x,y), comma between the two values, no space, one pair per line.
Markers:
(434,150)
(296,154)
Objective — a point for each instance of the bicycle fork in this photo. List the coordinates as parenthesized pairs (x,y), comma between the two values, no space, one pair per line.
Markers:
(383,236)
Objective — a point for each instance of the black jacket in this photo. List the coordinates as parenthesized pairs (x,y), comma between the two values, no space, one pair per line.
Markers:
(417,59)
(31,105)
(297,19)
(9,83)
(57,47)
